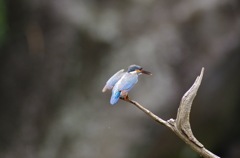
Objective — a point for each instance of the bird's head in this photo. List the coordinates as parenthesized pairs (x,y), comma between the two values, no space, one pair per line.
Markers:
(138,69)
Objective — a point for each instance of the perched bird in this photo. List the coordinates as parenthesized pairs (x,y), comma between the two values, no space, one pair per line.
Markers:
(122,82)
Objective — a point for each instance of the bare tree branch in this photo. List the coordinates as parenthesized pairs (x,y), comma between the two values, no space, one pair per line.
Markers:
(184,110)
(181,126)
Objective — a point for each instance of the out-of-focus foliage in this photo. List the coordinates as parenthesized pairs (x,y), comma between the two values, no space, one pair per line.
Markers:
(57,55)
(3,23)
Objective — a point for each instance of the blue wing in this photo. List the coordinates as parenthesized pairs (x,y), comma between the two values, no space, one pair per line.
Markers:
(124,85)
(127,82)
(113,80)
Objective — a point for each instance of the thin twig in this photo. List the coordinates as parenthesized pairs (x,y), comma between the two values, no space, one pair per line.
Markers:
(153,116)
(181,126)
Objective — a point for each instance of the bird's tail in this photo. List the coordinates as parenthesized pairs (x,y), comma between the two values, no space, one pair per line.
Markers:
(115,97)
(104,88)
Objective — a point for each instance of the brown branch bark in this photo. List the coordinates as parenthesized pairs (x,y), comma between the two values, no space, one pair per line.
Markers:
(181,126)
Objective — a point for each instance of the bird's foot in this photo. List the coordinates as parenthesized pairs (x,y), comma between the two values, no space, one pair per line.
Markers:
(126,98)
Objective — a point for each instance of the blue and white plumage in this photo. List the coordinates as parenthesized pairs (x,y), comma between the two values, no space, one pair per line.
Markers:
(122,82)
(123,86)
(113,80)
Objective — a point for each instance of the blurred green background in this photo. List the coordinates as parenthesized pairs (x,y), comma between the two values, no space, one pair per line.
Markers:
(56,55)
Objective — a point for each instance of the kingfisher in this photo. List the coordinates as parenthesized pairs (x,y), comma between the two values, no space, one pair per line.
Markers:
(122,82)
